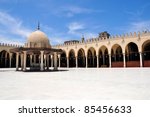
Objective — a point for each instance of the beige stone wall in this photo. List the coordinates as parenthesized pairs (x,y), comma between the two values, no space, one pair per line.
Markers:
(138,38)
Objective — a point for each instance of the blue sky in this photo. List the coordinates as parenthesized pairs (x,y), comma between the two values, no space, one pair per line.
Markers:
(70,19)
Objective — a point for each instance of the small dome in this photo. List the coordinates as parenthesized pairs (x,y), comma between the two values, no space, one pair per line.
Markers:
(38,39)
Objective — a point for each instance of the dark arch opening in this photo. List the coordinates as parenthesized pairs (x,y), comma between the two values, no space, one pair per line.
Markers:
(63,60)
(132,55)
(81,58)
(146,54)
(72,60)
(4,59)
(92,60)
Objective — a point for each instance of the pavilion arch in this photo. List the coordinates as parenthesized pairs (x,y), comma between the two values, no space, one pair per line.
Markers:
(4,59)
(81,58)
(132,55)
(103,56)
(72,59)
(146,53)
(117,56)
(91,57)
(63,59)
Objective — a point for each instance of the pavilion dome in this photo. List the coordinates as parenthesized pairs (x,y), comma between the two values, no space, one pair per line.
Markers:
(38,39)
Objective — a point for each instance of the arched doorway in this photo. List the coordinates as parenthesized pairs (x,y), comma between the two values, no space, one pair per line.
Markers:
(132,55)
(116,56)
(63,60)
(146,53)
(13,60)
(4,59)
(92,61)
(72,59)
(81,58)
(103,57)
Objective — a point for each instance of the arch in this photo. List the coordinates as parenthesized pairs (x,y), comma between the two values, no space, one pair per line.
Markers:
(91,56)
(103,56)
(63,59)
(81,58)
(116,56)
(13,60)
(146,53)
(72,59)
(132,55)
(4,59)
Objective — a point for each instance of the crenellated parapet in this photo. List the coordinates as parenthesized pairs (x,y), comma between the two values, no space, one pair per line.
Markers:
(9,45)
(113,37)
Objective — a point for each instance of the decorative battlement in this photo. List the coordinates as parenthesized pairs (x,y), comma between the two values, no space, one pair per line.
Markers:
(97,39)
(9,45)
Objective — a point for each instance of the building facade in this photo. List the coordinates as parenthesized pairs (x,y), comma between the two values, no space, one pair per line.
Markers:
(128,50)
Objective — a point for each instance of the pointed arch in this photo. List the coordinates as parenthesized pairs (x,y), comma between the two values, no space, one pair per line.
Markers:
(81,58)
(116,56)
(4,59)
(91,56)
(72,60)
(103,56)
(146,53)
(132,55)
(63,59)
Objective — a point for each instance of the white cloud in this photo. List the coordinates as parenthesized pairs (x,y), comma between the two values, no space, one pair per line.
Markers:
(139,26)
(74,27)
(71,10)
(12,27)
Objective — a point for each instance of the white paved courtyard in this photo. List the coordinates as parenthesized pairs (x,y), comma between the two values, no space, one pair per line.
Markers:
(90,83)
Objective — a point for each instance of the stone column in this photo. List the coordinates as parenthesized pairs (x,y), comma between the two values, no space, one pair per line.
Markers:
(51,60)
(141,59)
(47,58)
(86,61)
(17,61)
(42,53)
(10,59)
(97,61)
(55,61)
(59,59)
(110,60)
(67,62)
(25,57)
(124,60)
(76,61)
(22,58)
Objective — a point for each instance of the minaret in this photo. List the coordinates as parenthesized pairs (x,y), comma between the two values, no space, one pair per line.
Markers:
(38,26)
(82,39)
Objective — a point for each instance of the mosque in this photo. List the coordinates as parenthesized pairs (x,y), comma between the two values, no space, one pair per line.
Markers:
(127,50)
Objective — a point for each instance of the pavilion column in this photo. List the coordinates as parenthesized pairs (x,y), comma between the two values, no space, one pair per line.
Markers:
(67,62)
(45,61)
(51,60)
(34,58)
(24,60)
(124,60)
(55,61)
(141,59)
(42,58)
(97,61)
(59,59)
(17,61)
(86,61)
(10,59)
(76,61)
(47,58)
(30,60)
(110,60)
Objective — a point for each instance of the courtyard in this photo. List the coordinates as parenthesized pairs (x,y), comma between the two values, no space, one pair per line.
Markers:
(76,84)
